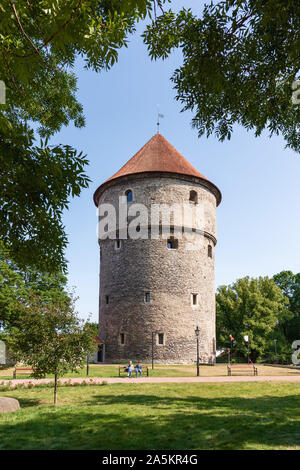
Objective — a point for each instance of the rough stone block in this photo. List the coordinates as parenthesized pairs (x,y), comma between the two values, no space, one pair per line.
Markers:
(7,405)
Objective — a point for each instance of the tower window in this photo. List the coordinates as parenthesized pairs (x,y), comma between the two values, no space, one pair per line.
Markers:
(194,299)
(172,244)
(147,297)
(160,338)
(209,251)
(107,299)
(129,195)
(122,338)
(193,197)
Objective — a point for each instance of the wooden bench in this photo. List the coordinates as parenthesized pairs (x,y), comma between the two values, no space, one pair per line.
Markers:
(26,370)
(123,370)
(250,368)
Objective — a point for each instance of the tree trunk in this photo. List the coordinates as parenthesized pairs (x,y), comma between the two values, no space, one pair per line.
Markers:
(55,389)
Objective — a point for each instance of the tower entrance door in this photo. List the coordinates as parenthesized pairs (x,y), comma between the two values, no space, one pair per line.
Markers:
(101,353)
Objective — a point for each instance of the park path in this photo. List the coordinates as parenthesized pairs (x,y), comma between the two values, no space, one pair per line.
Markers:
(157,380)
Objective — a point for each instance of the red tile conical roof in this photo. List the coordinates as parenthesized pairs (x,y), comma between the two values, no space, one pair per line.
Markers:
(157,155)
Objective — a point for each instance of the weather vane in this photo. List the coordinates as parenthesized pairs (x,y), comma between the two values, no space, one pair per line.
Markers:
(158,116)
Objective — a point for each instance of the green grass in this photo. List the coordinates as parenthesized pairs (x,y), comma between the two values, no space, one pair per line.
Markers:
(112,370)
(156,416)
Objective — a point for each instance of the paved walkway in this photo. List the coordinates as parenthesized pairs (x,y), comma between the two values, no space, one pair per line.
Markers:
(97,380)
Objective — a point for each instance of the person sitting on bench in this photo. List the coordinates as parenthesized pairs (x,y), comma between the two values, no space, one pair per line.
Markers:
(129,368)
(138,369)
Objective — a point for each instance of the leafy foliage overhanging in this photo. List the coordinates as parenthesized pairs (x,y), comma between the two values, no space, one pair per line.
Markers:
(39,43)
(240,60)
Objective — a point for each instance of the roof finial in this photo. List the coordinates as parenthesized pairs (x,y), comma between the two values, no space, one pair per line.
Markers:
(158,116)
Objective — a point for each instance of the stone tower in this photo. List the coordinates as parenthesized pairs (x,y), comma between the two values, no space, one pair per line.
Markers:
(155,291)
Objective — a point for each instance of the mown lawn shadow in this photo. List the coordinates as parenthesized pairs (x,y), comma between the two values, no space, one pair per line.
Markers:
(155,422)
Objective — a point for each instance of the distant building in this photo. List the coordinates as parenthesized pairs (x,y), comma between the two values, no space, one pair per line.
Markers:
(5,357)
(154,292)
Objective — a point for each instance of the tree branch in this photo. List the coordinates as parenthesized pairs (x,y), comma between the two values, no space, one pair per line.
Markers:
(12,3)
(11,74)
(160,5)
(37,50)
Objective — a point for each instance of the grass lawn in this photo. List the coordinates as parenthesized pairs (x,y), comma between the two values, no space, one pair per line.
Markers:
(155,416)
(112,370)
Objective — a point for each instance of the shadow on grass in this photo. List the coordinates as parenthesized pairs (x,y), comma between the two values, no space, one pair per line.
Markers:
(153,422)
(27,402)
(288,403)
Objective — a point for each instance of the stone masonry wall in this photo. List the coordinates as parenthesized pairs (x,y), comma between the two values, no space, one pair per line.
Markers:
(171,276)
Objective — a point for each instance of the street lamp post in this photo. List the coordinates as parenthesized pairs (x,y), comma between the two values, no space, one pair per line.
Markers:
(153,333)
(87,366)
(246,339)
(275,343)
(197,332)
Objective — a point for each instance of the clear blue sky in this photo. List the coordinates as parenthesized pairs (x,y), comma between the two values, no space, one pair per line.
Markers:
(258,219)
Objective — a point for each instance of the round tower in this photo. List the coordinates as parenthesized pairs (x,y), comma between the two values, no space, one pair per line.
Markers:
(157,264)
